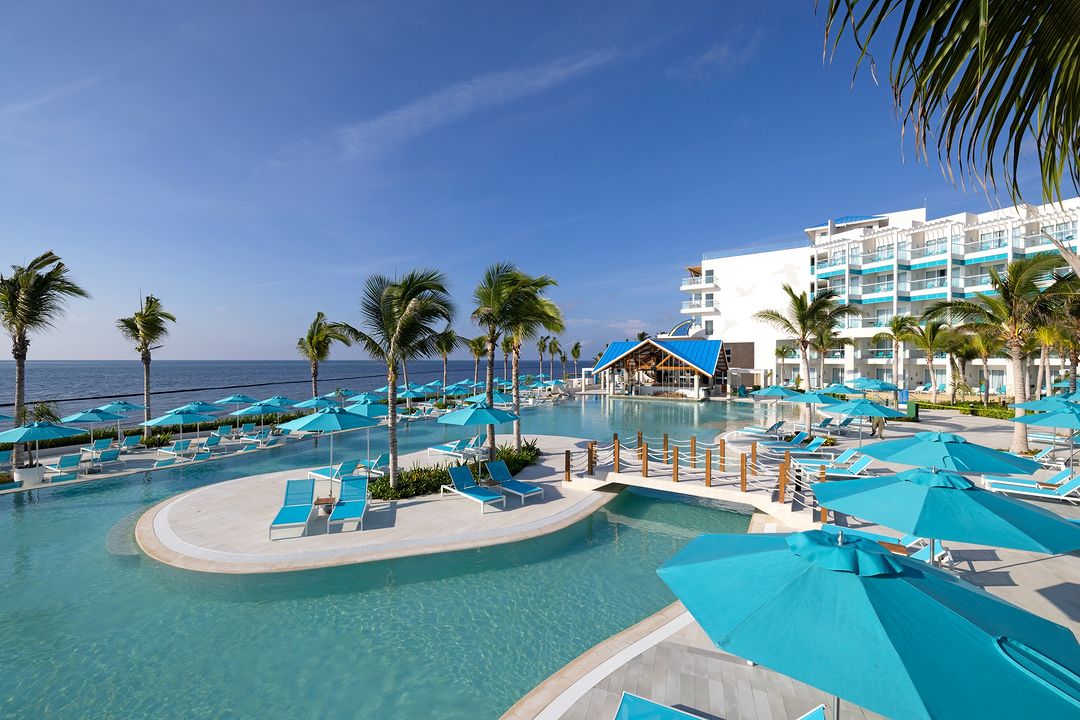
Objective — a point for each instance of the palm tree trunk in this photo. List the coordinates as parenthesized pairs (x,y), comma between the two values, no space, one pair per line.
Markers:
(391,424)
(1043,362)
(1019,442)
(896,363)
(986,383)
(541,370)
(505,358)
(489,388)
(475,369)
(1048,377)
(314,379)
(18,351)
(146,393)
(405,376)
(443,388)
(551,367)
(933,377)
(1074,358)
(516,392)
(804,368)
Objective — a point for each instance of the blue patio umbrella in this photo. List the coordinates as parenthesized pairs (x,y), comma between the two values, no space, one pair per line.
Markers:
(36,432)
(280,401)
(329,420)
(838,389)
(496,398)
(121,407)
(261,409)
(412,394)
(91,417)
(316,402)
(383,389)
(775,391)
(892,634)
(200,407)
(179,417)
(5,418)
(1063,414)
(479,415)
(944,505)
(368,397)
(541,376)
(810,399)
(948,451)
(1061,384)
(862,408)
(236,399)
(1054,402)
(340,392)
(457,391)
(369,409)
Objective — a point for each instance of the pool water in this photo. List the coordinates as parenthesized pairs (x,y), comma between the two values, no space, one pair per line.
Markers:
(90,628)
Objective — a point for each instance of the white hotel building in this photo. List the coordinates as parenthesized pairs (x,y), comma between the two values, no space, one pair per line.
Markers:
(888,264)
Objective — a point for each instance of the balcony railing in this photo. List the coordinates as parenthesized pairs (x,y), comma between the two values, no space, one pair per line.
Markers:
(702,305)
(832,262)
(1038,240)
(878,287)
(886,254)
(929,284)
(876,354)
(976,280)
(987,243)
(929,250)
(697,280)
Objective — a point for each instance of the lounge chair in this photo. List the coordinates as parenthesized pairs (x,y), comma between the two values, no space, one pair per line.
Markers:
(210,443)
(794,442)
(66,463)
(1053,481)
(771,431)
(464,485)
(941,388)
(352,503)
(201,455)
(163,463)
(260,437)
(64,477)
(817,713)
(1069,491)
(814,464)
(248,447)
(822,426)
(811,448)
(501,474)
(5,458)
(334,473)
(856,470)
(454,448)
(131,443)
(923,553)
(245,429)
(296,508)
(223,431)
(180,448)
(378,466)
(110,457)
(271,442)
(841,427)
(633,707)
(96,447)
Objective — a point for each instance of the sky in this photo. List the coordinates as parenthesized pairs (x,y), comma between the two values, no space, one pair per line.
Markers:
(251,163)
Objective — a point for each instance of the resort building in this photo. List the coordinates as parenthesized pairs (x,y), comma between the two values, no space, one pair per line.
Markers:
(887,264)
(664,367)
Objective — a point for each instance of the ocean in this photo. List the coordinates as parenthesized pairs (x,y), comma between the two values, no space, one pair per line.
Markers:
(76,385)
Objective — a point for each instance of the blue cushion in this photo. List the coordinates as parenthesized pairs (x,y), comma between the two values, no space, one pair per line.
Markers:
(521,487)
(292,515)
(481,494)
(348,510)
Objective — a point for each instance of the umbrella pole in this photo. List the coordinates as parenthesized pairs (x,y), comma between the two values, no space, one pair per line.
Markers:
(367,455)
(331,463)
(836,707)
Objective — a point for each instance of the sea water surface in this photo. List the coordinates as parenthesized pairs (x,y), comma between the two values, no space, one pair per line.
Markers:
(91,628)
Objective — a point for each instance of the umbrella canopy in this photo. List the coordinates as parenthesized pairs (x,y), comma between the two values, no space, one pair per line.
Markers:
(777,391)
(891,634)
(121,406)
(1055,402)
(200,407)
(812,398)
(259,408)
(479,414)
(871,385)
(433,384)
(412,394)
(91,416)
(341,392)
(541,376)
(369,409)
(946,506)
(367,397)
(4,418)
(457,391)
(329,420)
(948,451)
(280,401)
(1061,384)
(237,399)
(496,398)
(1065,415)
(555,383)
(862,408)
(838,389)
(38,431)
(317,402)
(178,417)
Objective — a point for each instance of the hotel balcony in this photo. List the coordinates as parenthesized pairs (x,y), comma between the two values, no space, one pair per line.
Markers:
(696,307)
(934,285)
(698,282)
(878,256)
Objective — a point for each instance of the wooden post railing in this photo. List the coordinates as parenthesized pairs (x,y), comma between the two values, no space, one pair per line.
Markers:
(645,460)
(639,439)
(722,449)
(781,482)
(675,464)
(742,471)
(824,511)
(753,458)
(566,467)
(590,462)
(667,458)
(708,467)
(693,451)
(615,452)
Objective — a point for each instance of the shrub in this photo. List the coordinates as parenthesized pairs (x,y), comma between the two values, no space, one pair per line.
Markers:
(975,409)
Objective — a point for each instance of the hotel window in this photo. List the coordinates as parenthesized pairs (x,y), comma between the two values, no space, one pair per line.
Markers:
(708,300)
(708,276)
(708,328)
(1062,232)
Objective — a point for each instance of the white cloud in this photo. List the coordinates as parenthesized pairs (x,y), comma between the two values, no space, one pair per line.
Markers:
(722,58)
(58,93)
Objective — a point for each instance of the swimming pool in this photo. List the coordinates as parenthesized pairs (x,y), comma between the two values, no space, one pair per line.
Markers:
(90,628)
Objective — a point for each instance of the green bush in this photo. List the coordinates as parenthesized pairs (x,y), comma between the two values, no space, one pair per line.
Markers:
(974,409)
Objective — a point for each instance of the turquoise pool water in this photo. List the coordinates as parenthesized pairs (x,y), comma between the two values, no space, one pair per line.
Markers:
(90,628)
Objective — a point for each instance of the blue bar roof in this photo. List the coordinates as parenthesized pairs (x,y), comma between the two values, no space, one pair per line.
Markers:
(703,355)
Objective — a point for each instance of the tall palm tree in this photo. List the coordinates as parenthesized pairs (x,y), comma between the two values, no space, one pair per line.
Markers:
(642,336)
(824,338)
(1018,305)
(477,347)
(539,313)
(804,316)
(32,298)
(400,319)
(447,342)
(315,345)
(541,348)
(147,328)
(575,353)
(932,338)
(782,353)
(1046,335)
(506,345)
(986,341)
(898,326)
(983,78)
(553,350)
(961,352)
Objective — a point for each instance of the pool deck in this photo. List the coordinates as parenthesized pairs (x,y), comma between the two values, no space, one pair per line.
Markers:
(223,528)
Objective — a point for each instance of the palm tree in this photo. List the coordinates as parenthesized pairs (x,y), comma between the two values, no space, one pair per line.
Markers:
(541,348)
(1017,306)
(932,338)
(986,342)
(506,345)
(899,325)
(575,353)
(824,338)
(32,298)
(804,317)
(553,349)
(446,343)
(400,318)
(782,353)
(538,313)
(315,345)
(147,328)
(983,78)
(1046,335)
(961,351)
(562,360)
(642,336)
(477,346)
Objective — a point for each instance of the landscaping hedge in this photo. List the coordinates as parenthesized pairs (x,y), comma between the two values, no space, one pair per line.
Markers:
(427,480)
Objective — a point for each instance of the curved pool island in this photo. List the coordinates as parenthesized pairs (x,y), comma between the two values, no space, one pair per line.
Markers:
(223,528)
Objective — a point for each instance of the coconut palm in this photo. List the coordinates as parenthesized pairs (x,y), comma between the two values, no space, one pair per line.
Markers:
(554,349)
(541,348)
(539,313)
(32,298)
(400,320)
(1046,335)
(477,347)
(782,353)
(447,342)
(147,328)
(897,326)
(575,353)
(804,317)
(315,345)
(506,345)
(932,338)
(986,342)
(961,351)
(642,336)
(1017,306)
(824,339)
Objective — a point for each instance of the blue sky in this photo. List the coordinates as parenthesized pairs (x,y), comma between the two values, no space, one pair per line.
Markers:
(251,162)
